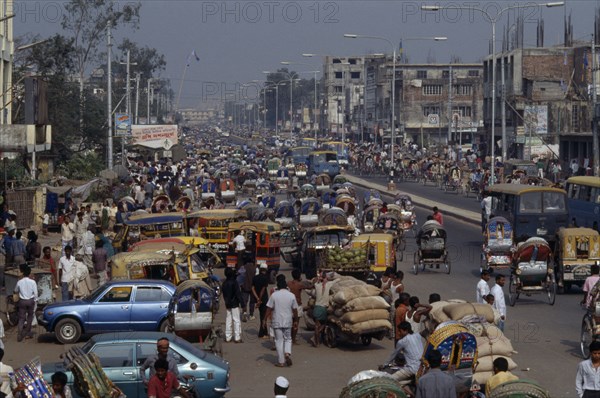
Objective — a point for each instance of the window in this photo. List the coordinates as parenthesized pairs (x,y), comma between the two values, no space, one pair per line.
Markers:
(421,74)
(575,118)
(355,75)
(473,73)
(336,61)
(150,294)
(115,355)
(531,203)
(338,89)
(352,61)
(339,75)
(445,74)
(146,350)
(554,202)
(431,110)
(118,294)
(432,89)
(463,111)
(463,89)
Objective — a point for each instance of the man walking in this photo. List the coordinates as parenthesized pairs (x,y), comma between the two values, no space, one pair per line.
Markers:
(100,259)
(65,272)
(232,296)
(26,288)
(296,285)
(587,382)
(499,302)
(239,243)
(282,308)
(67,232)
(483,289)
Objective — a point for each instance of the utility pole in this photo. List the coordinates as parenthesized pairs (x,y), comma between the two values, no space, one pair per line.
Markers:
(137,97)
(450,119)
(595,149)
(127,109)
(109,97)
(148,101)
(503,107)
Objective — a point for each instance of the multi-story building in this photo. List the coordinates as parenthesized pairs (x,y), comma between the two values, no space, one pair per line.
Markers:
(429,106)
(548,101)
(7,45)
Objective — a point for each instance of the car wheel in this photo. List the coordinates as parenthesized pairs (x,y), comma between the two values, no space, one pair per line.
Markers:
(68,331)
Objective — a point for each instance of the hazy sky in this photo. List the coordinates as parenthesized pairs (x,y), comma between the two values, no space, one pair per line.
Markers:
(237,40)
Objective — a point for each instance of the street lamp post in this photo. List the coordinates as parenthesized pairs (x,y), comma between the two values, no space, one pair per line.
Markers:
(393,125)
(493,21)
(314,118)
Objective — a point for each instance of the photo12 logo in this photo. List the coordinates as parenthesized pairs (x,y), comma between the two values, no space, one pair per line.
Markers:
(253,12)
(469,11)
(229,91)
(28,12)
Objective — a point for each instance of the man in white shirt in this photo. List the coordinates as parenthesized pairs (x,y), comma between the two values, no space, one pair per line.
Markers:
(26,288)
(65,267)
(239,243)
(81,226)
(282,308)
(67,232)
(411,345)
(281,387)
(483,289)
(587,381)
(499,302)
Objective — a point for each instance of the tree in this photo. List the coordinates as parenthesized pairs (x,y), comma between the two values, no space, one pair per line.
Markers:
(87,21)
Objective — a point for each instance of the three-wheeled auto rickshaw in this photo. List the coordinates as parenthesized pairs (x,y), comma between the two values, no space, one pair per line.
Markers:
(212,226)
(381,250)
(498,245)
(389,223)
(142,265)
(262,244)
(577,249)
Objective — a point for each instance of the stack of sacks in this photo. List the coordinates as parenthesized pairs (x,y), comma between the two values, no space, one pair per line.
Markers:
(491,345)
(357,307)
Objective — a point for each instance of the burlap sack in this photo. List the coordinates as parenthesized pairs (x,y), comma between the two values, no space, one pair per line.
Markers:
(485,364)
(437,313)
(350,293)
(344,282)
(367,326)
(456,312)
(363,316)
(497,346)
(493,332)
(482,377)
(367,303)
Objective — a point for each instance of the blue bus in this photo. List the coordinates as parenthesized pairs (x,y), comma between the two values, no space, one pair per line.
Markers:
(583,195)
(531,210)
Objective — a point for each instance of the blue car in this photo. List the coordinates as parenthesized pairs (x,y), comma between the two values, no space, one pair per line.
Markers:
(122,354)
(117,306)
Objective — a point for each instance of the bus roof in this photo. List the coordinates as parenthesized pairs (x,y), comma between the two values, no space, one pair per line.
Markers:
(217,213)
(585,180)
(260,226)
(518,189)
(154,218)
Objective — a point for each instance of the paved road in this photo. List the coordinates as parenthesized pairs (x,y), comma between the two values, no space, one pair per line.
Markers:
(545,336)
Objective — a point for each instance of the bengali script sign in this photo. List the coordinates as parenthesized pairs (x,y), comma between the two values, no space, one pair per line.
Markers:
(162,136)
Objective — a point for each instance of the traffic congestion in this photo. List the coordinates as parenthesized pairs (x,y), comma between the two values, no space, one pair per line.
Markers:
(295,259)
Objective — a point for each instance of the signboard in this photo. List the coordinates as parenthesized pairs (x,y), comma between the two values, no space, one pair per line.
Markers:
(122,125)
(161,136)
(433,118)
(536,119)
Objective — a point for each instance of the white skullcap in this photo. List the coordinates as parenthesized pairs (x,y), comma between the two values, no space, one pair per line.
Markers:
(282,382)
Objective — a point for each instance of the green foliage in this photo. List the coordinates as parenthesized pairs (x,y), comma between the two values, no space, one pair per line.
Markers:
(82,166)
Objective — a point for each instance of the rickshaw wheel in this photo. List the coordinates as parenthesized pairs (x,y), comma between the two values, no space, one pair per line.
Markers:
(448,264)
(551,289)
(329,337)
(586,335)
(513,295)
(12,314)
(165,327)
(366,340)
(416,263)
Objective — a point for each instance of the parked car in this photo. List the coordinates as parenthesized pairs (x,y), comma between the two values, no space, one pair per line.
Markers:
(122,354)
(117,306)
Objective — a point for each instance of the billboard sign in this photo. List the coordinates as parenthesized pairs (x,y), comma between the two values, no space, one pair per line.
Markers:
(536,119)
(157,136)
(122,125)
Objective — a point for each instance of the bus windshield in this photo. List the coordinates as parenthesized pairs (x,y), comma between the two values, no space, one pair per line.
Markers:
(542,202)
(325,157)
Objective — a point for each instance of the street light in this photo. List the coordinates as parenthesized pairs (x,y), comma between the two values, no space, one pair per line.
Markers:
(315,90)
(276,87)
(493,21)
(393,125)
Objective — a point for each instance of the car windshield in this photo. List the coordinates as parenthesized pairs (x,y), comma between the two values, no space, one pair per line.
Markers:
(94,294)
